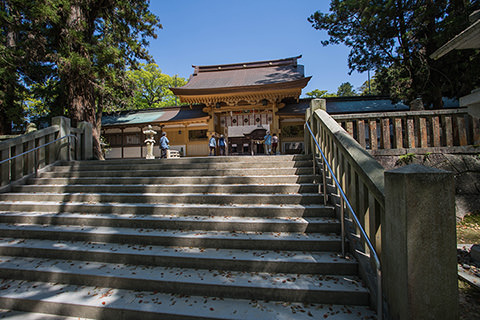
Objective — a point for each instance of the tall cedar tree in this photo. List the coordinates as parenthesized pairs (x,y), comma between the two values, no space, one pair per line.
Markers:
(96,41)
(79,48)
(396,37)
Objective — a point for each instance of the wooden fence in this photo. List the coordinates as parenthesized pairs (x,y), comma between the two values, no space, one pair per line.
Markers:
(412,129)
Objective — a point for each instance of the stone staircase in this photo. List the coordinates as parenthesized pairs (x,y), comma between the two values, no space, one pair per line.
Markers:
(186,238)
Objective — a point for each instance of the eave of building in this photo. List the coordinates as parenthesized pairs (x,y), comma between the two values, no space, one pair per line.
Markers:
(250,94)
(140,124)
(299,83)
(467,39)
(160,116)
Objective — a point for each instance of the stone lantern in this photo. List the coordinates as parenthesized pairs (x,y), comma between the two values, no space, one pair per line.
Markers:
(150,141)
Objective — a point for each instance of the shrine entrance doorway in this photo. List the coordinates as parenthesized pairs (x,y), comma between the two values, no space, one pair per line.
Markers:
(245,130)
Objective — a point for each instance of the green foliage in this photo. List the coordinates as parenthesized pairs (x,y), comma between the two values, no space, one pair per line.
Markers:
(346,90)
(21,45)
(73,54)
(406,159)
(317,94)
(426,157)
(409,158)
(396,39)
(152,87)
(371,89)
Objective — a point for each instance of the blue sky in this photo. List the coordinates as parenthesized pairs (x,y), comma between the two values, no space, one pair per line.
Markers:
(206,32)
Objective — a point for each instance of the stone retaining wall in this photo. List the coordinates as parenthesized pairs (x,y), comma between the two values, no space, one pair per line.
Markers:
(466,168)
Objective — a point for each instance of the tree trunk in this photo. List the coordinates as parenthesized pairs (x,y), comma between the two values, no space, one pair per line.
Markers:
(78,78)
(9,77)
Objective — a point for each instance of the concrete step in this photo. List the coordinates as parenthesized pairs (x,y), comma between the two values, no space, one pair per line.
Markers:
(196,160)
(19,315)
(171,198)
(110,303)
(213,283)
(162,188)
(178,172)
(236,210)
(278,179)
(156,165)
(218,223)
(184,257)
(183,238)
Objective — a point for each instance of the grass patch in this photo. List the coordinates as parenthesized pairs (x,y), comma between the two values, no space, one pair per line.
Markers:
(468,230)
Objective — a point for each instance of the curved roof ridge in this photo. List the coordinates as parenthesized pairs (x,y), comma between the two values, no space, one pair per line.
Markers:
(247,65)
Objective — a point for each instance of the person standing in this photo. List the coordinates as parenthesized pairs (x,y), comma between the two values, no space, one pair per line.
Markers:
(212,143)
(274,143)
(221,144)
(164,145)
(268,143)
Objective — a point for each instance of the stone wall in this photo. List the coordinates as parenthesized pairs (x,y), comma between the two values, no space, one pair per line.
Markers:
(466,168)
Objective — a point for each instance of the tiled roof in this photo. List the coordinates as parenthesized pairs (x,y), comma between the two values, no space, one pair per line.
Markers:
(346,105)
(244,75)
(169,114)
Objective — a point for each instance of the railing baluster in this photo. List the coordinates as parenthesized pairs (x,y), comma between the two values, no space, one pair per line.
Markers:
(476,130)
(41,152)
(372,132)
(462,133)
(423,132)
(5,167)
(410,133)
(17,163)
(29,161)
(437,138)
(385,141)
(448,131)
(398,133)
(361,133)
(349,128)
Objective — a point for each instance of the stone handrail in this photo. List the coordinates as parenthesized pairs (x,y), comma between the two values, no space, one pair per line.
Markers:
(27,164)
(428,129)
(388,205)
(360,175)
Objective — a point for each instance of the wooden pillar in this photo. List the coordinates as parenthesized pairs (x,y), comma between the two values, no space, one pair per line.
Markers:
(275,121)
(123,142)
(142,138)
(211,122)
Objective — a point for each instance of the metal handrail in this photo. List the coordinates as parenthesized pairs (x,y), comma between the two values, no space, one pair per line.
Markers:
(39,147)
(344,201)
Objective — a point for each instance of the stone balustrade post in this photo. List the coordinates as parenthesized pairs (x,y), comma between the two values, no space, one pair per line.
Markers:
(419,258)
(315,104)
(61,147)
(86,145)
